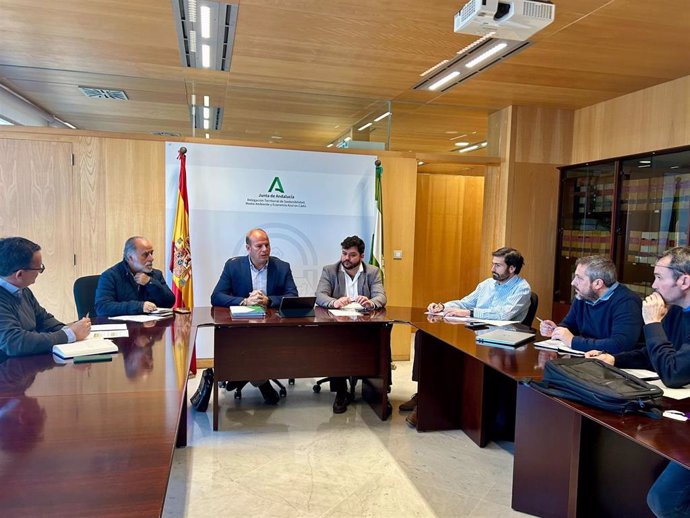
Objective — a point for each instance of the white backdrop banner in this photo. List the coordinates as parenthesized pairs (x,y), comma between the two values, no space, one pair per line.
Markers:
(306,201)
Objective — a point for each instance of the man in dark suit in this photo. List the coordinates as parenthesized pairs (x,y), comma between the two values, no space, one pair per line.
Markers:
(133,286)
(349,280)
(256,279)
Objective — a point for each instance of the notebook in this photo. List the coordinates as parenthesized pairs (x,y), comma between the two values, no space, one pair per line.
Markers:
(295,307)
(502,337)
(247,312)
(557,345)
(85,347)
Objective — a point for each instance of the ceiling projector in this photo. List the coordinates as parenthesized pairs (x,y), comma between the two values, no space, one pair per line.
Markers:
(507,19)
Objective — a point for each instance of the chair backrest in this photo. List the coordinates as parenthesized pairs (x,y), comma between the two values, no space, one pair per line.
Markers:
(85,295)
(532,311)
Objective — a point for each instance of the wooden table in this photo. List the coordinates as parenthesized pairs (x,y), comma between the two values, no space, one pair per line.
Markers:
(573,460)
(94,439)
(323,345)
(469,386)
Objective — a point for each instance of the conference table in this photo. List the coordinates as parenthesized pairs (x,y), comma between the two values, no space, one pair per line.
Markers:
(274,347)
(95,439)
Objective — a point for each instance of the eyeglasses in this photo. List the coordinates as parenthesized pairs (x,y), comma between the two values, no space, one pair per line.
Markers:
(39,270)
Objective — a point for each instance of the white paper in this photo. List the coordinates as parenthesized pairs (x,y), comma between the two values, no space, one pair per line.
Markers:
(115,333)
(344,312)
(138,318)
(643,374)
(162,311)
(673,393)
(497,323)
(353,305)
(557,345)
(85,347)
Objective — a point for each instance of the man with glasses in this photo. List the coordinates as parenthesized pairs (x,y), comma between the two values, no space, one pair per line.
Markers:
(25,327)
(666,314)
(133,286)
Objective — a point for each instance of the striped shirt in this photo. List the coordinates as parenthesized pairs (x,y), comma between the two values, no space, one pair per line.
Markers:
(497,301)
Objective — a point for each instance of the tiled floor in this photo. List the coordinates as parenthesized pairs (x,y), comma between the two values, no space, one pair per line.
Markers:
(299,459)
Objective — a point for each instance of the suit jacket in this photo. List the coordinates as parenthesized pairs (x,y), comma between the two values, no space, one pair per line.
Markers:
(119,294)
(332,285)
(235,282)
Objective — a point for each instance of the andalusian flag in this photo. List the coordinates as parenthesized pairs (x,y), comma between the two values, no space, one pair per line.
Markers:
(376,257)
(181,262)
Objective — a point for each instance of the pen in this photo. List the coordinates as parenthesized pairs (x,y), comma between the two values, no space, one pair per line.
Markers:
(540,320)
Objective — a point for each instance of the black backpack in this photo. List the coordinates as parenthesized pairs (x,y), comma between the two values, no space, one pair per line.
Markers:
(600,385)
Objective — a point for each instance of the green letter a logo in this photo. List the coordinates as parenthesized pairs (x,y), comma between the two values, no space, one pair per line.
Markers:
(276,185)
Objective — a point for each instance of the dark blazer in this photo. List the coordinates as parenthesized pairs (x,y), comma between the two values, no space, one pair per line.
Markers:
(119,294)
(235,282)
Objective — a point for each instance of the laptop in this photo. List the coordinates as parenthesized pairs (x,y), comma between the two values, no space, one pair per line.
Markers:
(295,307)
(502,337)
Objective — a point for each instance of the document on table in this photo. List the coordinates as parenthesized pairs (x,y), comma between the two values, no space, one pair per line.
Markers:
(344,312)
(557,345)
(643,374)
(353,306)
(108,331)
(139,318)
(497,323)
(673,393)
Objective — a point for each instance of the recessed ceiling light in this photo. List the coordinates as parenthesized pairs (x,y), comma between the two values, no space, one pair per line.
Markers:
(382,116)
(206,56)
(486,55)
(675,166)
(364,127)
(207,100)
(645,161)
(330,145)
(462,144)
(420,163)
(347,139)
(445,79)
(207,135)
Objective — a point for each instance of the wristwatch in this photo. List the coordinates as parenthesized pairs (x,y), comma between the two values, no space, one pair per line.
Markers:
(471,313)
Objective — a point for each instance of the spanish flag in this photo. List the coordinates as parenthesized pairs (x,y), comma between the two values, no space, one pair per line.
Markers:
(181,255)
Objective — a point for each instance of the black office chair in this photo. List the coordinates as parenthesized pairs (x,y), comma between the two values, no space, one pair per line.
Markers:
(282,391)
(85,295)
(532,311)
(353,384)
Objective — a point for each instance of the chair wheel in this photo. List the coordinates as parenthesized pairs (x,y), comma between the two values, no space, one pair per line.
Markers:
(283,392)
(316,388)
(238,394)
(291,381)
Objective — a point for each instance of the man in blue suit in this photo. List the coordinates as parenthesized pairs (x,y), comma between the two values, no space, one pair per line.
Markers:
(255,279)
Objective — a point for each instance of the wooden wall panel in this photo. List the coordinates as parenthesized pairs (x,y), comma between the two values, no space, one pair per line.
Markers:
(134,196)
(399,183)
(447,237)
(647,120)
(36,203)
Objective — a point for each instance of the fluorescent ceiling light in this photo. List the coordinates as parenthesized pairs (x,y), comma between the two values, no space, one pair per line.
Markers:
(207,100)
(205,21)
(207,135)
(193,98)
(675,167)
(420,163)
(207,113)
(471,148)
(486,55)
(347,139)
(206,124)
(471,60)
(382,116)
(206,56)
(364,127)
(462,144)
(645,161)
(444,80)
(330,145)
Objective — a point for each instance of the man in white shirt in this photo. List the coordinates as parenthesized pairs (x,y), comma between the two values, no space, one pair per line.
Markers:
(349,280)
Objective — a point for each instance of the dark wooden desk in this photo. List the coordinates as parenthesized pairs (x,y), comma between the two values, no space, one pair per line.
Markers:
(576,461)
(469,386)
(323,345)
(94,439)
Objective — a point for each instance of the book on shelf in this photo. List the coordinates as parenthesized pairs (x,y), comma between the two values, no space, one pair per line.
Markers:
(247,312)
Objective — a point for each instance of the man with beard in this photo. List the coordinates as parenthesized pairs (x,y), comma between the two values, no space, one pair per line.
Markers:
(605,315)
(666,314)
(347,281)
(505,296)
(133,286)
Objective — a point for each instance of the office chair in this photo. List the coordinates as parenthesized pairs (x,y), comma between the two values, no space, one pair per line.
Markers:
(85,295)
(532,311)
(282,391)
(353,384)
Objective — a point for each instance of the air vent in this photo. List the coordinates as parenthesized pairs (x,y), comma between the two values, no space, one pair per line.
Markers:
(216,48)
(103,93)
(538,10)
(166,134)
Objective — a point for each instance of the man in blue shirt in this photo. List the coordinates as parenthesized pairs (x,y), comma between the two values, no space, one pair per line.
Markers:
(25,327)
(604,315)
(666,314)
(505,296)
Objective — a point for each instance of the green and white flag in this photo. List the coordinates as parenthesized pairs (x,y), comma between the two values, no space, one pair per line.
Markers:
(376,257)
